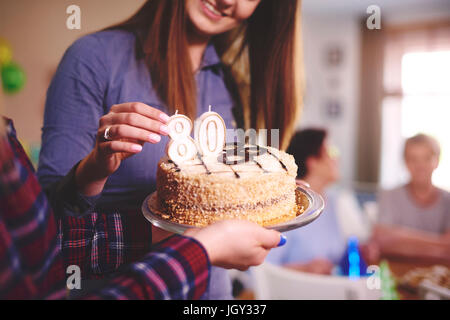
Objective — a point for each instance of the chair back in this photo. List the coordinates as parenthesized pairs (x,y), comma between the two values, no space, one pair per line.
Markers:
(273,282)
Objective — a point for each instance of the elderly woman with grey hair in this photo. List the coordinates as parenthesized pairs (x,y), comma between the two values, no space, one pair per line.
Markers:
(414,219)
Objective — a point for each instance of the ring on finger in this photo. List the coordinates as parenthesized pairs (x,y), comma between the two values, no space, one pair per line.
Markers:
(107,135)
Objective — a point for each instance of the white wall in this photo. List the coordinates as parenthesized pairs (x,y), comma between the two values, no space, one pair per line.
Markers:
(338,23)
(320,32)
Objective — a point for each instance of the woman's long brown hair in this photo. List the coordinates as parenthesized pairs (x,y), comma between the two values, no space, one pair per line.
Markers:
(265,43)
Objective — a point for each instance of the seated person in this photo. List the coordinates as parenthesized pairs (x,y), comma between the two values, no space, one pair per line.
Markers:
(414,219)
(319,246)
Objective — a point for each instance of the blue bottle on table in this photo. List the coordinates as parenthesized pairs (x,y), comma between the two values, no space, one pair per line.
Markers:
(352,264)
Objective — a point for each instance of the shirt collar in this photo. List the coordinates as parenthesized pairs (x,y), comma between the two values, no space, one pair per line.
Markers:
(210,57)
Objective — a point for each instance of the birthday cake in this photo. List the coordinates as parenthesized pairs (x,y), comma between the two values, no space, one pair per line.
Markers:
(247,182)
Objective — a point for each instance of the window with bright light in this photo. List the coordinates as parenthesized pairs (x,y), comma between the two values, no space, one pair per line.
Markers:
(422,107)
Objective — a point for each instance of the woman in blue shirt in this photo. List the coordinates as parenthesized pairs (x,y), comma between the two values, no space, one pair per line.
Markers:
(320,246)
(317,247)
(110,98)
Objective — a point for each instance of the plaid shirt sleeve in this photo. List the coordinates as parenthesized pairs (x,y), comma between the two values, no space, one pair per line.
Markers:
(65,198)
(177,269)
(101,242)
(30,248)
(31,265)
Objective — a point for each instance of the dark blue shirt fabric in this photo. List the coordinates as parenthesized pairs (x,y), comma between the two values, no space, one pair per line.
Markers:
(98,71)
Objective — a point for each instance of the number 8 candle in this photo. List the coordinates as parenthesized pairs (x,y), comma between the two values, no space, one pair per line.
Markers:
(182,147)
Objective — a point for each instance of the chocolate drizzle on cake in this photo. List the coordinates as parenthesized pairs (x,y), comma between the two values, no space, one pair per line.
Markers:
(235,154)
(235,172)
(177,168)
(279,160)
(241,153)
(199,156)
(259,165)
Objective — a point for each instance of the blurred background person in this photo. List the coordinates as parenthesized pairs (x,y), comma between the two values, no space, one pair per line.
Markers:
(414,219)
(319,247)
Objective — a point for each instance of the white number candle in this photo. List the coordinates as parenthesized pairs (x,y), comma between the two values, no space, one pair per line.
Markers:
(210,134)
(181,147)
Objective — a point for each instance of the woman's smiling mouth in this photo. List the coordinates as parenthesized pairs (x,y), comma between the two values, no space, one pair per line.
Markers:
(211,11)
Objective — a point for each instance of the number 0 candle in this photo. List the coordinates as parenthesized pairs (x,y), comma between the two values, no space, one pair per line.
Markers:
(210,134)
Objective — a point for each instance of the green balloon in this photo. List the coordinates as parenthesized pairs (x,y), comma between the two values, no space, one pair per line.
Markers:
(13,78)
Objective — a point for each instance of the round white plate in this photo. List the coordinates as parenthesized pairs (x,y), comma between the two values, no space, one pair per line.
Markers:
(314,210)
